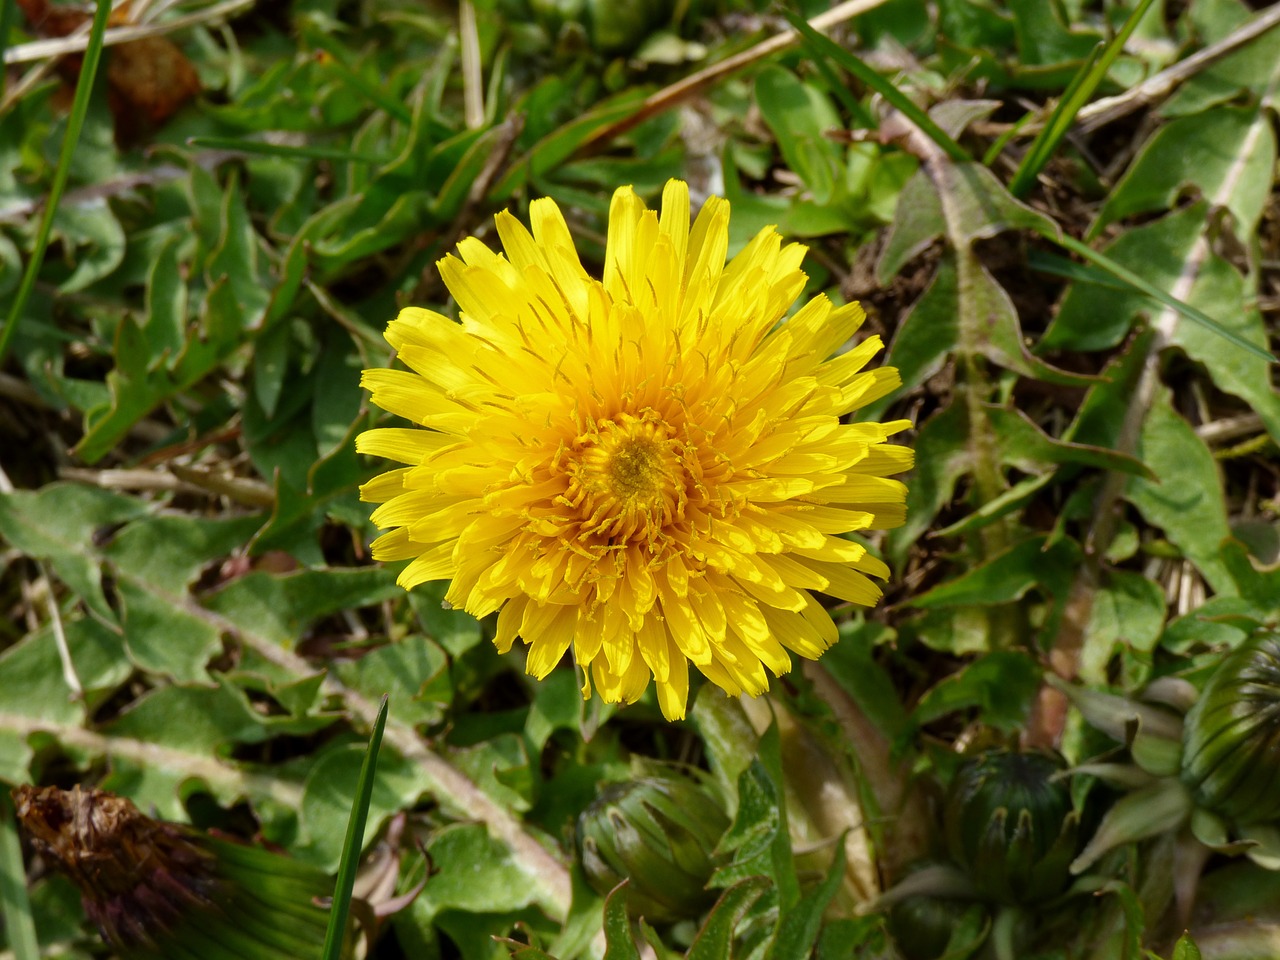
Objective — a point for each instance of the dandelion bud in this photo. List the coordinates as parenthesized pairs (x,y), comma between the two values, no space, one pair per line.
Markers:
(1012,827)
(659,833)
(1231,747)
(158,889)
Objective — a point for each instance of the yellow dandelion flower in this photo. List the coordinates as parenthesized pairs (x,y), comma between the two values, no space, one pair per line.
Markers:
(650,469)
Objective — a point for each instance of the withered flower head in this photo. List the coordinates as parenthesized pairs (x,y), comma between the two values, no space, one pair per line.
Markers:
(157,889)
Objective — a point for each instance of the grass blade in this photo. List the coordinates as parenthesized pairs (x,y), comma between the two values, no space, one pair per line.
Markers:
(1081,89)
(1103,262)
(16,906)
(335,935)
(283,150)
(79,107)
(825,48)
(1057,266)
(6,24)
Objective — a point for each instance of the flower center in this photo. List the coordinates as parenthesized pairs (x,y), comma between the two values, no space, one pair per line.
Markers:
(628,481)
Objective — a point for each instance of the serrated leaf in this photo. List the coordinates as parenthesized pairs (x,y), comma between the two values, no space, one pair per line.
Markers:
(92,231)
(715,938)
(1174,253)
(1227,154)
(59,523)
(1127,609)
(413,671)
(500,766)
(1035,562)
(798,927)
(964,311)
(166,318)
(1186,500)
(191,718)
(619,943)
(949,447)
(277,608)
(326,805)
(1247,69)
(1000,685)
(31,680)
(162,637)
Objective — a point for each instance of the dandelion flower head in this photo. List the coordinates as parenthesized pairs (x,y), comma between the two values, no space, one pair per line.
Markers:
(652,469)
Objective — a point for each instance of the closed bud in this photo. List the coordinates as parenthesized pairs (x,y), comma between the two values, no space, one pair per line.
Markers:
(659,832)
(1010,825)
(1231,746)
(162,890)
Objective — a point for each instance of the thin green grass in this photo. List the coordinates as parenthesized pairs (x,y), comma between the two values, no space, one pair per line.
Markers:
(282,150)
(1078,93)
(335,936)
(1103,262)
(14,903)
(823,48)
(75,122)
(6,25)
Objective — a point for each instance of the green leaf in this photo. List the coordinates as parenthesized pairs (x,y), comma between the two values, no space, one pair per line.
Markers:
(70,141)
(852,665)
(191,718)
(798,927)
(501,767)
(715,938)
(278,608)
(1000,685)
(413,672)
(59,523)
(337,395)
(1227,154)
(756,829)
(1185,949)
(473,872)
(235,258)
(800,116)
(1033,563)
(965,311)
(1186,500)
(1044,39)
(166,320)
(332,781)
(31,681)
(619,943)
(558,146)
(1139,284)
(1127,609)
(1248,69)
(823,47)
(93,239)
(15,905)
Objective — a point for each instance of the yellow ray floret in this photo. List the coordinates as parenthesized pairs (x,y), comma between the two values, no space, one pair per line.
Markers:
(650,470)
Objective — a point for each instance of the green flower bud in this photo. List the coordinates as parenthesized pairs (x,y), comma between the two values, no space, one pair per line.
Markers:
(621,25)
(162,890)
(1012,827)
(925,909)
(1231,745)
(659,832)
